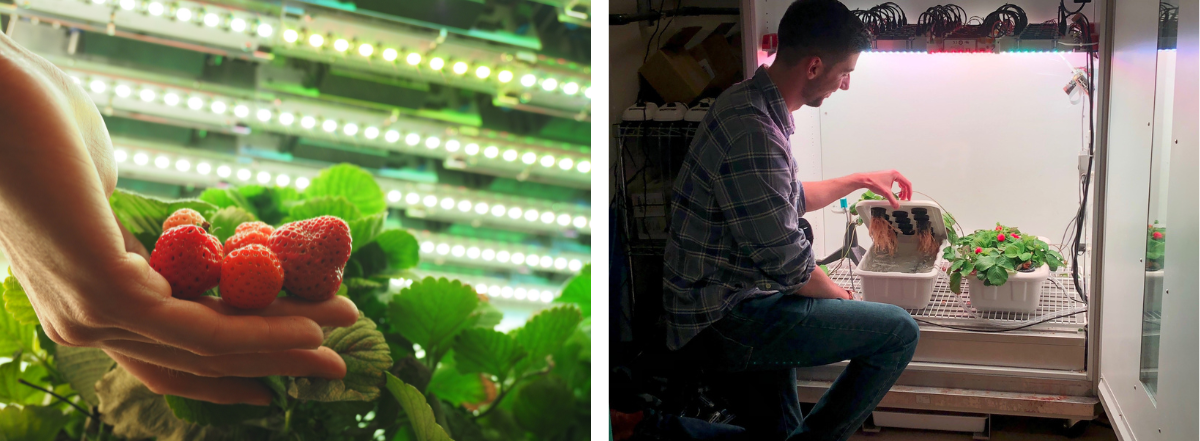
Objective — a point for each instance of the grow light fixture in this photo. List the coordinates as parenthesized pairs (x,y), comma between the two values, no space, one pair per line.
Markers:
(497,289)
(471,252)
(317,34)
(421,200)
(422,138)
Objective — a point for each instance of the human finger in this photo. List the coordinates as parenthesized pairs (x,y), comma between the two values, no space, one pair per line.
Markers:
(321,362)
(201,330)
(338,311)
(214,390)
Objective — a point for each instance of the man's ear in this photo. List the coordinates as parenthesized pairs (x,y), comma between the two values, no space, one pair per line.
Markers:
(813,67)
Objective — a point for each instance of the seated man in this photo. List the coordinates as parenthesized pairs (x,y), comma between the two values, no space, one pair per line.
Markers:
(741,286)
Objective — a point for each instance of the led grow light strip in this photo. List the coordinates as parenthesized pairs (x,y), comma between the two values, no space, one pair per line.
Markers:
(495,288)
(474,252)
(343,125)
(334,39)
(143,161)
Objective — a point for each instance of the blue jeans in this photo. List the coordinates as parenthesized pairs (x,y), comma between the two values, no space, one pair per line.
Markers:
(757,345)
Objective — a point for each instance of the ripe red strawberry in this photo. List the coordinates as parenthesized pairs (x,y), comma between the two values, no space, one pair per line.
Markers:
(184,216)
(251,277)
(313,253)
(978,250)
(245,238)
(1157,235)
(998,228)
(260,227)
(1015,236)
(190,259)
(1000,237)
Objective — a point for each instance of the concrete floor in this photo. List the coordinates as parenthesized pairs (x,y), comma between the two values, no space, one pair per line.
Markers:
(1004,428)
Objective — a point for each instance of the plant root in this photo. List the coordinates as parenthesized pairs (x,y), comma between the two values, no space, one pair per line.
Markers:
(883,236)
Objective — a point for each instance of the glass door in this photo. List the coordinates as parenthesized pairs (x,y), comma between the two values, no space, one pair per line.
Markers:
(1156,217)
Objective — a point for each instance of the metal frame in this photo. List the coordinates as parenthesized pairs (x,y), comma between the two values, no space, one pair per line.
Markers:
(962,387)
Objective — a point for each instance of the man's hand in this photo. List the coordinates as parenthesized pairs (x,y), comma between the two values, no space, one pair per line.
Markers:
(820,286)
(881,182)
(88,280)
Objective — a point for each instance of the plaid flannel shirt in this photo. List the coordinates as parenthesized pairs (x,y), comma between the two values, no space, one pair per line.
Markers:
(735,230)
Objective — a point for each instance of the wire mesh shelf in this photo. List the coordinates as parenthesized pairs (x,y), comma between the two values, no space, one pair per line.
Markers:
(650,155)
(946,307)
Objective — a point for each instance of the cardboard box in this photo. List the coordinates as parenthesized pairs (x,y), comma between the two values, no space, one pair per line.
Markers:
(674,72)
(719,60)
(682,74)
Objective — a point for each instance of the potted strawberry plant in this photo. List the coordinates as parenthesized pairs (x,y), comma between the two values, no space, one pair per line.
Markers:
(1156,244)
(1004,268)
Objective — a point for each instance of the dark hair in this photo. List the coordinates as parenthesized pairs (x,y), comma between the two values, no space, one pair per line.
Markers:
(822,28)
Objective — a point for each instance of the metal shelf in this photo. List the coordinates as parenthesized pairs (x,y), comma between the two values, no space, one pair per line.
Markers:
(949,308)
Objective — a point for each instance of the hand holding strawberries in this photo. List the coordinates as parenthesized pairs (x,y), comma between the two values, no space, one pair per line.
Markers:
(90,281)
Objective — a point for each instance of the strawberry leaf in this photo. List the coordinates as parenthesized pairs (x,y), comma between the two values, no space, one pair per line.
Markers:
(135,412)
(16,302)
(431,311)
(143,216)
(337,206)
(544,407)
(31,423)
(11,389)
(956,283)
(450,385)
(82,368)
(352,182)
(488,352)
(485,316)
(211,414)
(364,231)
(547,331)
(400,247)
(225,221)
(579,291)
(15,335)
(223,198)
(367,356)
(420,415)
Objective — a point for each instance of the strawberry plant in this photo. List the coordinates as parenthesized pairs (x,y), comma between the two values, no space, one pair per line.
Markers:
(995,254)
(423,362)
(1156,245)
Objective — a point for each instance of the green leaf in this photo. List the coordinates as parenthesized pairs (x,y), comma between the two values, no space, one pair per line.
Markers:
(15,335)
(486,316)
(996,276)
(545,332)
(366,230)
(487,351)
(269,204)
(16,302)
(135,412)
(1025,257)
(226,220)
(401,249)
(985,263)
(210,414)
(431,311)
(337,206)
(11,389)
(968,268)
(420,415)
(453,386)
(354,183)
(31,423)
(1011,251)
(544,407)
(82,368)
(579,291)
(143,216)
(956,283)
(366,354)
(957,265)
(278,386)
(222,198)
(368,261)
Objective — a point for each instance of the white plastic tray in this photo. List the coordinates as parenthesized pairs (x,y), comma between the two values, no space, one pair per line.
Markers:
(906,290)
(1020,293)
